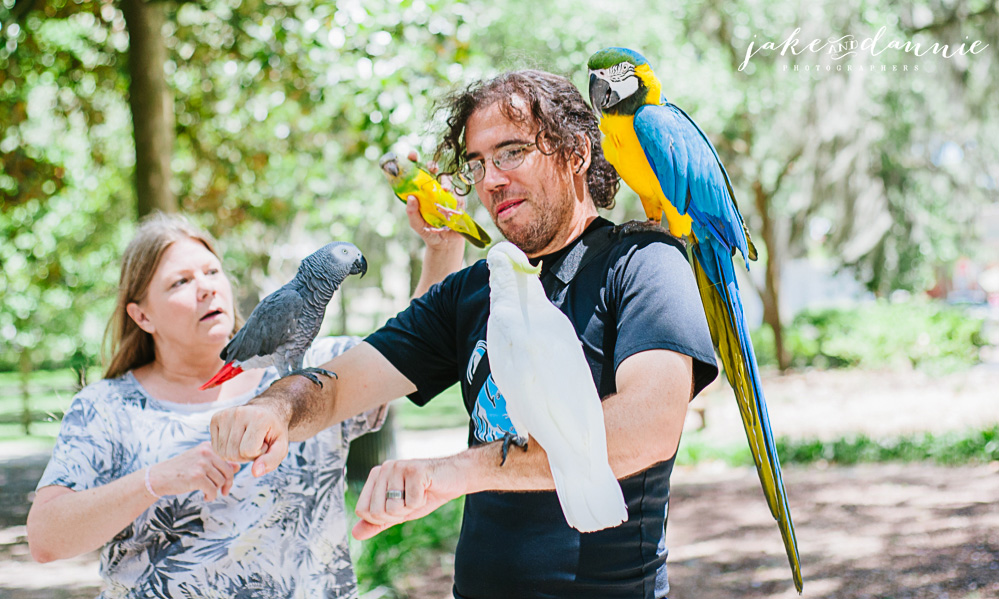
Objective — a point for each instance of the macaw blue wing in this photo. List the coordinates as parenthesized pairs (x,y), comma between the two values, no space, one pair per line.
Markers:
(691,175)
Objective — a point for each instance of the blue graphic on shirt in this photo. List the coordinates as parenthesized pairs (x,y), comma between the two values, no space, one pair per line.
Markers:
(492,423)
(473,361)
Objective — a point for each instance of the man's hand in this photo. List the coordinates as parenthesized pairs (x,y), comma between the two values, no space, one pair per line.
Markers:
(399,491)
(436,239)
(257,432)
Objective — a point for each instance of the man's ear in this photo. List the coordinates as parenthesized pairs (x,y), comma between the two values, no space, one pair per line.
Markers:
(139,316)
(582,157)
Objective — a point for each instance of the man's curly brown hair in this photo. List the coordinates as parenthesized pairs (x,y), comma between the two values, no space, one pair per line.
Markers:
(555,106)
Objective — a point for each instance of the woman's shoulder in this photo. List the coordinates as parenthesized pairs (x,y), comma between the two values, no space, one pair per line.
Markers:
(122,389)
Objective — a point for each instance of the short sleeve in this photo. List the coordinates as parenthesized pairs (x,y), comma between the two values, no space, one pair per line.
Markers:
(421,341)
(658,307)
(84,453)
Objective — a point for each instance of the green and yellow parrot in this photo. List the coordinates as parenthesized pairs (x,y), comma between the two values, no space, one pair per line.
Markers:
(669,162)
(438,207)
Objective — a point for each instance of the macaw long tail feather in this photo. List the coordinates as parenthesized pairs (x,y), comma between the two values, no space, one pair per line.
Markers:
(730,335)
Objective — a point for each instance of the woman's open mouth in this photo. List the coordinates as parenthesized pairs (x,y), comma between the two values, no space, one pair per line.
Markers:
(211,315)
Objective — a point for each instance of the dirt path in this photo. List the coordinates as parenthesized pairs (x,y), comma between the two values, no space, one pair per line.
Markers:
(874,531)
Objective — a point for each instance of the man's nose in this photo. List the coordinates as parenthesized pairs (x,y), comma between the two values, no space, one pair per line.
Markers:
(493,178)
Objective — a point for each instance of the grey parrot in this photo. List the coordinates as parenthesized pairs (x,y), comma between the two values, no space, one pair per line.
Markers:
(282,326)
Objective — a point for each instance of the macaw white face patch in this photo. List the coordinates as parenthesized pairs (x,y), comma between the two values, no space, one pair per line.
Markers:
(623,80)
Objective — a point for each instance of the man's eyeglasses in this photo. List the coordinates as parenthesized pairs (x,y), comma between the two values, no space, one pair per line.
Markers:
(474,171)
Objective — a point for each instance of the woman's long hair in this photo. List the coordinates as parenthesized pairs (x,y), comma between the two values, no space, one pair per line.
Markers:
(127,344)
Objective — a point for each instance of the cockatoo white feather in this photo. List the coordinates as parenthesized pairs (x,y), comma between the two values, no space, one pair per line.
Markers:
(538,364)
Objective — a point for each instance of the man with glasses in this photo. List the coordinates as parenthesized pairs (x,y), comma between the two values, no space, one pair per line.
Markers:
(529,146)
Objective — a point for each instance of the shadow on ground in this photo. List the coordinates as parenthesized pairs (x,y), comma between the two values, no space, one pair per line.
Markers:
(900,531)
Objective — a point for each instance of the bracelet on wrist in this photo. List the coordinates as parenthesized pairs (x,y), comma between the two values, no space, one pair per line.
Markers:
(149,485)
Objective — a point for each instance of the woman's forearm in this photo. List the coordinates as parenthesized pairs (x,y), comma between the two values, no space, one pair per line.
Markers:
(64,523)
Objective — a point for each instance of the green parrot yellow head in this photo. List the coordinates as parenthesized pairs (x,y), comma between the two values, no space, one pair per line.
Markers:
(621,81)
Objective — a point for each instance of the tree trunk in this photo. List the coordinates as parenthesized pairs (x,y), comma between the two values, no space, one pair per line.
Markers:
(152,106)
(771,289)
(370,450)
(24,364)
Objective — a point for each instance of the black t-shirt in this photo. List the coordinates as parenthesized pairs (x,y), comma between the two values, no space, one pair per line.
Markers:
(637,294)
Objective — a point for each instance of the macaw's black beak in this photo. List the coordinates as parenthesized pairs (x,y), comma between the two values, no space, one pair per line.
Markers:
(360,266)
(601,95)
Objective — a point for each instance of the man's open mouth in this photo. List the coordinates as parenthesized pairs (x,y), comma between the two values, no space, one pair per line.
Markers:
(507,206)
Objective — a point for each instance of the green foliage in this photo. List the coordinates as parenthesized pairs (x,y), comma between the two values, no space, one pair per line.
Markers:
(282,109)
(926,335)
(952,449)
(976,446)
(384,560)
(446,411)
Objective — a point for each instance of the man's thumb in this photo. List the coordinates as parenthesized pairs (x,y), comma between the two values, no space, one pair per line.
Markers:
(271,458)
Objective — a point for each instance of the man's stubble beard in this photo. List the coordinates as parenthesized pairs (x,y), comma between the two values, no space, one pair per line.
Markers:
(544,227)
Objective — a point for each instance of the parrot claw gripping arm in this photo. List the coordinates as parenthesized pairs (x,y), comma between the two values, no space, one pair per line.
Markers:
(507,440)
(310,373)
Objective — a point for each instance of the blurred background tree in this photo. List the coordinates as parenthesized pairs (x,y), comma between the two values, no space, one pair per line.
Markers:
(280,110)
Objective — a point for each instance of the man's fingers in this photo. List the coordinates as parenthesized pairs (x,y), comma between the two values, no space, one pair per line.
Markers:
(413,156)
(394,506)
(364,530)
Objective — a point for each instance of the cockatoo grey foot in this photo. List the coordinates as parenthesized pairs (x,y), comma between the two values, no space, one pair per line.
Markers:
(507,440)
(636,226)
(310,373)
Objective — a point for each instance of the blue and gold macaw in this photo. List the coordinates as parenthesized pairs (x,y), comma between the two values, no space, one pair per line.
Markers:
(669,162)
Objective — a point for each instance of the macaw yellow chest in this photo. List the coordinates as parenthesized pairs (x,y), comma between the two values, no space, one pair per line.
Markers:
(624,152)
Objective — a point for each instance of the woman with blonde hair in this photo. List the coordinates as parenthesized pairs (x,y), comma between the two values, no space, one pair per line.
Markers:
(133,470)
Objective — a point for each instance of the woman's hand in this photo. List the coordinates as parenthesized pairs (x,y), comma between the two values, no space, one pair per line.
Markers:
(197,469)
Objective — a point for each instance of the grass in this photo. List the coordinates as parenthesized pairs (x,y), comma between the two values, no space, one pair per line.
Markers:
(447,410)
(417,546)
(975,446)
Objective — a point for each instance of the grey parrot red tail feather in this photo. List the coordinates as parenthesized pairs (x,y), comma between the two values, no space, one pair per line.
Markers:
(225,373)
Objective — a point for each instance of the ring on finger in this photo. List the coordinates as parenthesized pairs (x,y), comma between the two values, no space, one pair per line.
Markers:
(395,494)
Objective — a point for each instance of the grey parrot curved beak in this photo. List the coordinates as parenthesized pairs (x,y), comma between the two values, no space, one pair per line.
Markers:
(360,266)
(601,95)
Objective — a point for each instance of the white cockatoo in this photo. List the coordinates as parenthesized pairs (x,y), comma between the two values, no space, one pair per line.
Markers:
(538,364)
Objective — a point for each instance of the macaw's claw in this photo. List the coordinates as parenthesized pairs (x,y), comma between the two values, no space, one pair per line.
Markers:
(636,226)
(507,440)
(310,373)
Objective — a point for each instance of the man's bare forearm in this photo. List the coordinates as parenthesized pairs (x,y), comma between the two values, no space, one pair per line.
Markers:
(304,405)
